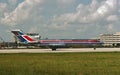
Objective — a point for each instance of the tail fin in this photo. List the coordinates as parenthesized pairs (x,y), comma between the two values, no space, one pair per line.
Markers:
(23,37)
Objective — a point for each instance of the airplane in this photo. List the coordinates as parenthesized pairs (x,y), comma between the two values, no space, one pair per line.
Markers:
(52,43)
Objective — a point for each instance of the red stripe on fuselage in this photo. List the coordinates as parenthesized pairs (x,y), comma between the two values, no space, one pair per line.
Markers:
(28,38)
(69,41)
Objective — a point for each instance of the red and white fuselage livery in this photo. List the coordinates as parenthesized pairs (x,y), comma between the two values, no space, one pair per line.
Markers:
(53,43)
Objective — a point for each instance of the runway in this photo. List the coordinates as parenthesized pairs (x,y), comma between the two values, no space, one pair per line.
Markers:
(59,50)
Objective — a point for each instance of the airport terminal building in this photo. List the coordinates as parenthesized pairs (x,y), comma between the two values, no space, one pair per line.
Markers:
(110,39)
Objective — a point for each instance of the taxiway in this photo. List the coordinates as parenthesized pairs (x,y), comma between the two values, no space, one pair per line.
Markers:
(59,50)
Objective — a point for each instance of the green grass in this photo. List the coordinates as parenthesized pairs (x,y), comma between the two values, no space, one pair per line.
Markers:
(60,64)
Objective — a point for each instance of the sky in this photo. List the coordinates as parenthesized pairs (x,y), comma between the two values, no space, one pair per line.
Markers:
(60,19)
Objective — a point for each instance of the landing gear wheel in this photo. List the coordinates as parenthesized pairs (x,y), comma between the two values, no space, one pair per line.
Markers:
(53,49)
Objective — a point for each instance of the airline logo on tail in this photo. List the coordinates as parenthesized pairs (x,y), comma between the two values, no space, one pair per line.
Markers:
(23,37)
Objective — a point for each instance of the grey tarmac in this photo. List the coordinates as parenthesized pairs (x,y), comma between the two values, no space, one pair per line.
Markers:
(59,50)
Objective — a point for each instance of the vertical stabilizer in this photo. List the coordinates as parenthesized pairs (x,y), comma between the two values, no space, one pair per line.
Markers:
(23,37)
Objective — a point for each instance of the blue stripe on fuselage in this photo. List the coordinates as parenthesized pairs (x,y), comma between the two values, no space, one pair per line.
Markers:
(22,39)
(47,43)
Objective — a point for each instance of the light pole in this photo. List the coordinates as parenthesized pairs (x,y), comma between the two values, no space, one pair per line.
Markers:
(3,43)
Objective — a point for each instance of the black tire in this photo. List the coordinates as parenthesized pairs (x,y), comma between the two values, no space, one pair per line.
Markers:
(53,49)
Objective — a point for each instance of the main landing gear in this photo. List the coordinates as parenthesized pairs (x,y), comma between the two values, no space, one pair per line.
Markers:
(53,49)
